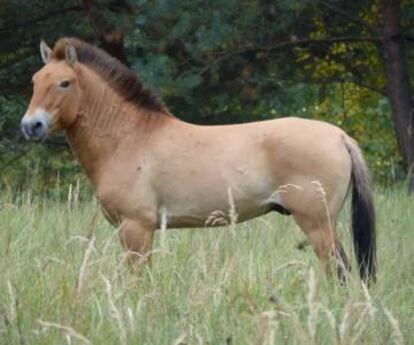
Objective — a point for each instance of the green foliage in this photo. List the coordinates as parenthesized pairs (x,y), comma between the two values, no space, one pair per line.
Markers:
(365,116)
(213,63)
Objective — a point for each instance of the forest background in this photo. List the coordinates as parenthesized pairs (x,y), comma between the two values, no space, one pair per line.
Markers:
(226,61)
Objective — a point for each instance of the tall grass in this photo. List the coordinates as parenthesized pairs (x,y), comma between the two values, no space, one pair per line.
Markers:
(64,281)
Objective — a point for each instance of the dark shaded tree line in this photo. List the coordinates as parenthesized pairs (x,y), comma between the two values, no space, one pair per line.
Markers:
(232,61)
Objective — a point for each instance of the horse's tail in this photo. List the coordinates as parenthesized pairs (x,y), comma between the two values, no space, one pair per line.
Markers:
(363,213)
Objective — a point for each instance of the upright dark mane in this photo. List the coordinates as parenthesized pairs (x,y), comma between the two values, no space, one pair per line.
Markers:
(120,78)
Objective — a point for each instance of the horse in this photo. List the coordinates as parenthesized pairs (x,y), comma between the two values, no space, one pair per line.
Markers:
(147,166)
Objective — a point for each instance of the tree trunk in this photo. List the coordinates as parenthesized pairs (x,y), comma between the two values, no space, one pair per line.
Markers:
(398,85)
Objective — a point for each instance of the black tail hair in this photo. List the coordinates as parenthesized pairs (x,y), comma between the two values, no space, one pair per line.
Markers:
(363,214)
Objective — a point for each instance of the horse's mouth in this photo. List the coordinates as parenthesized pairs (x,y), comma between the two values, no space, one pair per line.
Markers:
(34,136)
(36,127)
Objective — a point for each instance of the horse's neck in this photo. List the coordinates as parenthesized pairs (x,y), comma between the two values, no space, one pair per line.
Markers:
(102,124)
(106,124)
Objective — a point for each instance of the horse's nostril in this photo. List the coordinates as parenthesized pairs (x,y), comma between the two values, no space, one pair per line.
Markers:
(34,128)
(38,128)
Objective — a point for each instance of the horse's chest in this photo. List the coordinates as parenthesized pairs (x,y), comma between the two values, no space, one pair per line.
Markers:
(111,207)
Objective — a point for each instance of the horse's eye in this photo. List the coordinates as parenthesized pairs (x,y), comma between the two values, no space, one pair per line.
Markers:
(64,83)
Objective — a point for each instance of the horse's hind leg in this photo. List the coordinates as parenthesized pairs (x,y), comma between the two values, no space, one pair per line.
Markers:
(321,235)
(137,238)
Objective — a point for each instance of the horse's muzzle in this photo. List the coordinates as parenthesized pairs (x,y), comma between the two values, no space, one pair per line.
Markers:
(35,127)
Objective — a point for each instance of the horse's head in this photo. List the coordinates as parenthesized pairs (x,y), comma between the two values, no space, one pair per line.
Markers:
(56,95)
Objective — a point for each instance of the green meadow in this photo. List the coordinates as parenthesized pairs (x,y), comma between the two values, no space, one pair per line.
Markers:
(64,280)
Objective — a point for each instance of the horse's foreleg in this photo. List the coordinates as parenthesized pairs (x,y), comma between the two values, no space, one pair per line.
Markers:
(322,237)
(137,237)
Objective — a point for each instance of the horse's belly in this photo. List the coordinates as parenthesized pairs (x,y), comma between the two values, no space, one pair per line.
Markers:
(218,217)
(216,208)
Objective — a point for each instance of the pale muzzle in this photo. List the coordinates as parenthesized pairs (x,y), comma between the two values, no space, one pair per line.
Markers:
(36,126)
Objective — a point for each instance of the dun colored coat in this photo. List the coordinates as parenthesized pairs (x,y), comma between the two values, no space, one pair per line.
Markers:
(146,164)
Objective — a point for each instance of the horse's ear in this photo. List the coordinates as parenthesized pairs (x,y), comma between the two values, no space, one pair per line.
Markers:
(45,52)
(70,54)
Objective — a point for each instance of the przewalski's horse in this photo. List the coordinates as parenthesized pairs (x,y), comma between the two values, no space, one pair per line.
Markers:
(145,163)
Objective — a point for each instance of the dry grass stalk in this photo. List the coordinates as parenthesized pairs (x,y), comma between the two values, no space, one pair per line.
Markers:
(188,334)
(284,189)
(115,312)
(163,232)
(29,198)
(76,194)
(131,318)
(350,330)
(110,241)
(289,264)
(285,310)
(360,326)
(84,267)
(267,328)
(180,339)
(233,216)
(12,295)
(220,218)
(69,331)
(368,299)
(70,197)
(322,195)
(217,218)
(332,323)
(345,326)
(91,226)
(396,335)
(366,316)
(313,307)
